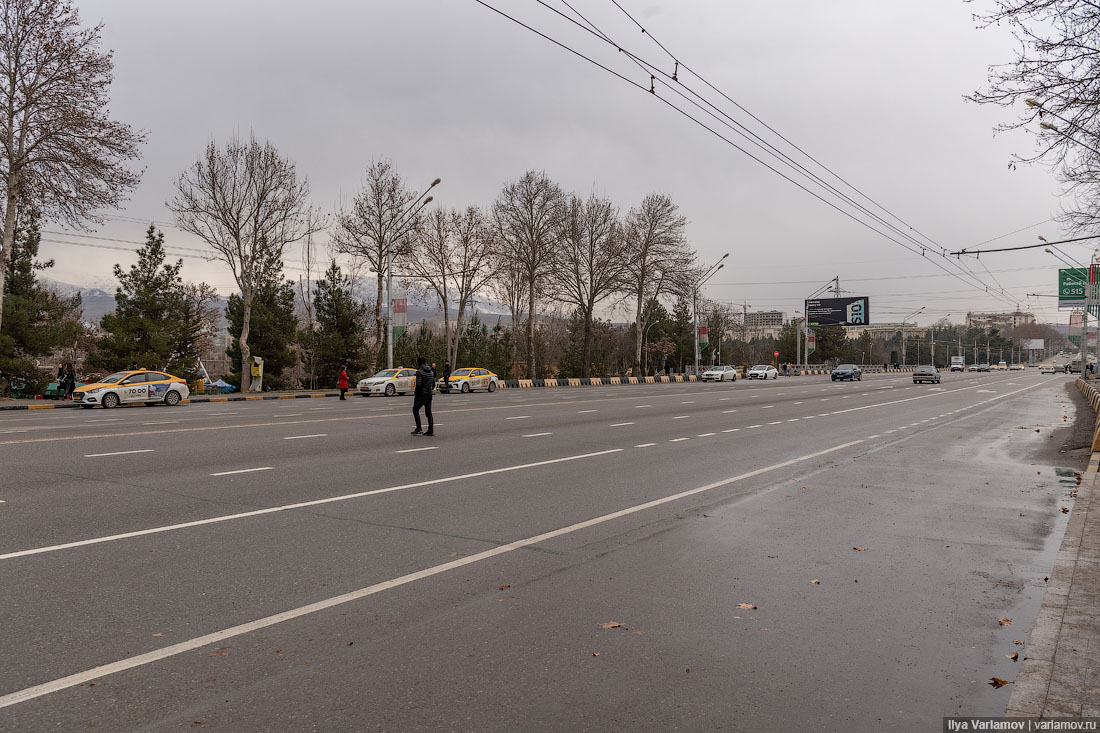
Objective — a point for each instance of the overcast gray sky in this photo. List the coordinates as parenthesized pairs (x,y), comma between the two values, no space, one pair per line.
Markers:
(448,88)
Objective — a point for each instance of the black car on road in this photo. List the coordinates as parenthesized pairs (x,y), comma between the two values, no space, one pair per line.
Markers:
(847,371)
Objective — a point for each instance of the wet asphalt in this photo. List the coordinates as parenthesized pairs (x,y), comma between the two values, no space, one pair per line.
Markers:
(539,564)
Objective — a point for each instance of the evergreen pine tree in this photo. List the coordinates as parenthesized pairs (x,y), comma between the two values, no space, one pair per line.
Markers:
(273,328)
(340,317)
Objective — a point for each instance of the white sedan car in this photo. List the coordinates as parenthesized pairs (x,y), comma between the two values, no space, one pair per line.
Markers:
(388,382)
(719,373)
(763,371)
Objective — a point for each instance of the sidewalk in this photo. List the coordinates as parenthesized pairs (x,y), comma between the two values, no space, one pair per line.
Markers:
(62,404)
(1060,674)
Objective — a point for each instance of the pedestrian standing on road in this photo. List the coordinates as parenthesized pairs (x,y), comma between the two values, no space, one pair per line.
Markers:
(446,377)
(422,395)
(60,380)
(70,381)
(342,382)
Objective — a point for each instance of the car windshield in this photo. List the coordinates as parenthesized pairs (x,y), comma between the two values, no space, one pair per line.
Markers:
(759,368)
(115,378)
(462,372)
(847,367)
(925,368)
(386,373)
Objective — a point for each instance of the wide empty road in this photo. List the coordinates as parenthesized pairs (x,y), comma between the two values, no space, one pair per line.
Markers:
(790,554)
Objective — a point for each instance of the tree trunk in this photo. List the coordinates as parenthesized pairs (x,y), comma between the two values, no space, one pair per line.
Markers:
(638,326)
(531,332)
(246,353)
(458,329)
(446,323)
(378,328)
(9,239)
(587,343)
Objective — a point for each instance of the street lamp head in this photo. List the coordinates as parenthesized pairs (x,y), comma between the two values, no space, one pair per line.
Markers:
(1047,250)
(428,200)
(1032,103)
(1048,126)
(1043,239)
(436,182)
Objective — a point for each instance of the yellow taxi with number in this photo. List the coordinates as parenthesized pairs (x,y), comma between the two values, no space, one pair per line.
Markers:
(133,385)
(471,378)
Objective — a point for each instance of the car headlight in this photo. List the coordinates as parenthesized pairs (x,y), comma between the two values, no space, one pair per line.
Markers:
(94,391)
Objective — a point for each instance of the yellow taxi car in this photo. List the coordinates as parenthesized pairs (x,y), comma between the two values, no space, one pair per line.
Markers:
(471,378)
(388,382)
(134,385)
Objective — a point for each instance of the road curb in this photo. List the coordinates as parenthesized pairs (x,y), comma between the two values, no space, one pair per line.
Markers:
(1060,674)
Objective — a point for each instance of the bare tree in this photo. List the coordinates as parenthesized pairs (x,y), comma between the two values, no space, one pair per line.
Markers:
(308,331)
(61,154)
(592,261)
(377,221)
(247,203)
(453,253)
(509,287)
(202,312)
(527,218)
(659,257)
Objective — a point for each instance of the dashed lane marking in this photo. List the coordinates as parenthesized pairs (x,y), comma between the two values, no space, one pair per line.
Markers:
(244,470)
(777,422)
(681,417)
(417,450)
(645,445)
(302,437)
(517,417)
(677,440)
(732,430)
(117,453)
(705,435)
(750,427)
(619,424)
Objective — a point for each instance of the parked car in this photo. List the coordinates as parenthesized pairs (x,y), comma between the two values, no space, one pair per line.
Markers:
(719,373)
(135,385)
(849,372)
(763,371)
(471,378)
(388,382)
(51,392)
(926,374)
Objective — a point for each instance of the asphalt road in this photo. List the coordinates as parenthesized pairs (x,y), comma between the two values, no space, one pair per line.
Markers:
(309,565)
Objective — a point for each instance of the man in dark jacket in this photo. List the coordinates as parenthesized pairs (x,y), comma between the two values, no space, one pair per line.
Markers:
(422,395)
(447,377)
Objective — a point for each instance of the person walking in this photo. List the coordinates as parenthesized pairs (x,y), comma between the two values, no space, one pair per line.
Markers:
(342,382)
(446,377)
(422,395)
(70,381)
(60,380)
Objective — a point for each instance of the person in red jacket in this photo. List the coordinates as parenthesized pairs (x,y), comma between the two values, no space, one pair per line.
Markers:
(343,381)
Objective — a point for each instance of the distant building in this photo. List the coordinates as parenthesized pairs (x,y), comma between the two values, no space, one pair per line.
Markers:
(765,319)
(987,321)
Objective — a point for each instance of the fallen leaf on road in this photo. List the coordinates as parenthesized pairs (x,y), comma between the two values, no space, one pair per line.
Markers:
(765,629)
(747,606)
(1025,491)
(505,598)
(305,661)
(505,586)
(688,670)
(1013,656)
(815,581)
(1065,510)
(638,633)
(158,634)
(1078,477)
(218,654)
(1017,642)
(803,488)
(859,549)
(196,723)
(996,682)
(1004,621)
(1021,514)
(610,625)
(456,554)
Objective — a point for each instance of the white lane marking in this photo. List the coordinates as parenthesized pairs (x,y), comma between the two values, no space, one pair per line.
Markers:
(105,419)
(619,424)
(688,402)
(140,660)
(23,430)
(162,422)
(417,450)
(845,396)
(726,412)
(793,419)
(244,470)
(638,407)
(891,431)
(303,504)
(798,403)
(117,453)
(705,435)
(872,437)
(299,414)
(723,399)
(731,430)
(809,417)
(300,437)
(824,414)
(987,391)
(677,440)
(767,407)
(533,435)
(518,417)
(777,422)
(864,394)
(824,399)
(750,427)
(579,412)
(681,417)
(645,445)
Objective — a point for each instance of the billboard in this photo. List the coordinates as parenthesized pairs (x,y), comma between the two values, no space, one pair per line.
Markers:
(838,312)
(1071,286)
(1034,344)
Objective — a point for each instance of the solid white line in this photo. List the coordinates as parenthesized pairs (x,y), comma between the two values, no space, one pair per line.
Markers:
(518,417)
(678,440)
(80,678)
(299,437)
(619,424)
(645,445)
(244,470)
(117,453)
(300,505)
(416,450)
(531,435)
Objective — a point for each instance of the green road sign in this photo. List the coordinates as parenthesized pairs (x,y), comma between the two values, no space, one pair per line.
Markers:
(1071,286)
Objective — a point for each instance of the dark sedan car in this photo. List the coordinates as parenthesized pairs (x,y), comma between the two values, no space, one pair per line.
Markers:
(848,371)
(926,374)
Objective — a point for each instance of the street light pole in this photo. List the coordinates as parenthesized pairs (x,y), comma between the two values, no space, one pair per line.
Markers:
(903,338)
(403,219)
(707,275)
